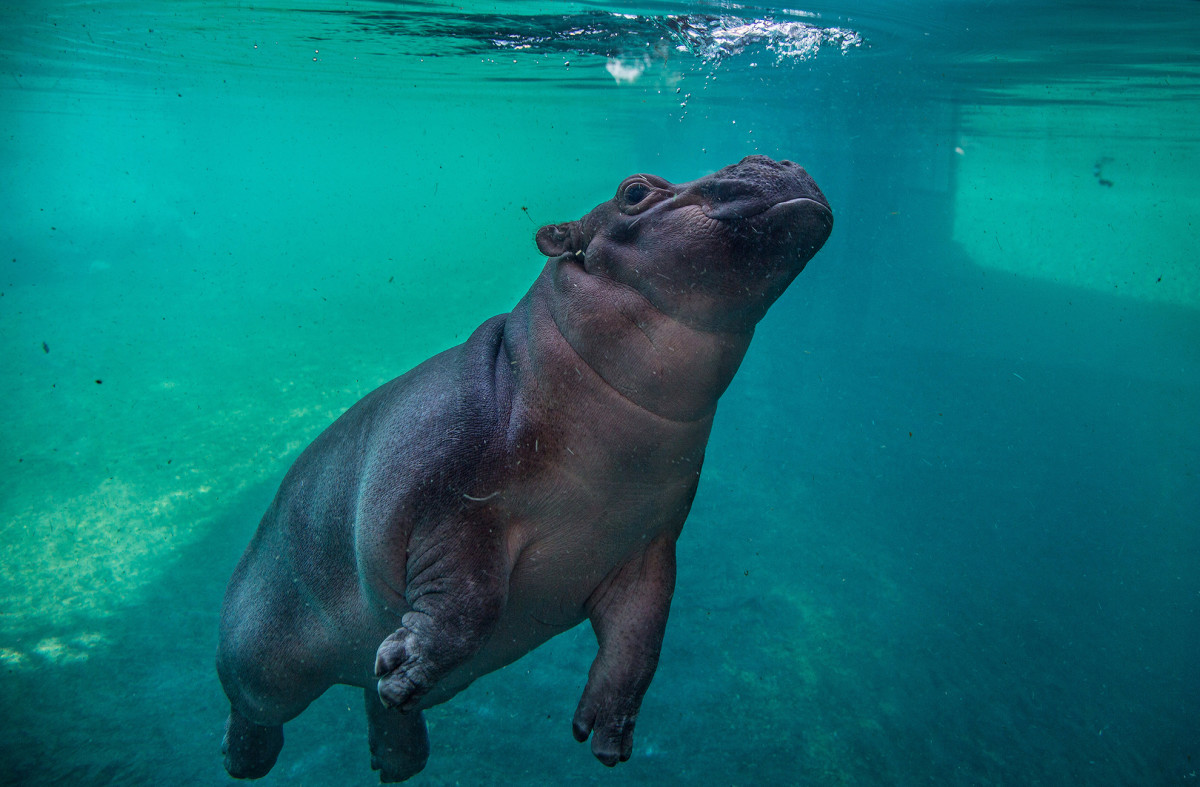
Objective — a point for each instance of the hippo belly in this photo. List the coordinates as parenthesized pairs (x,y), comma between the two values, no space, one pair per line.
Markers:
(581,519)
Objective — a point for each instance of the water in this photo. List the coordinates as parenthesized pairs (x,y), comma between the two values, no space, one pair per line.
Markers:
(947,530)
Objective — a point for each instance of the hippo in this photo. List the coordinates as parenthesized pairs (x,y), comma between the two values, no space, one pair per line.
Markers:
(506,489)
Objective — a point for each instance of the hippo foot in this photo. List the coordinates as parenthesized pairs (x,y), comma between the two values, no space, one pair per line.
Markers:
(397,764)
(405,675)
(399,741)
(250,749)
(610,722)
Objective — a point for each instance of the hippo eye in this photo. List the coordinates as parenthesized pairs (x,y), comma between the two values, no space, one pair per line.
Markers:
(634,192)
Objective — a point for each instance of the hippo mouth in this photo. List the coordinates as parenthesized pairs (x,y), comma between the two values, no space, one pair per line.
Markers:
(802,217)
(802,222)
(798,203)
(740,210)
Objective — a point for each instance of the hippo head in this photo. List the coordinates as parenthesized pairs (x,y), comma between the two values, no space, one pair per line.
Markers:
(714,253)
(659,289)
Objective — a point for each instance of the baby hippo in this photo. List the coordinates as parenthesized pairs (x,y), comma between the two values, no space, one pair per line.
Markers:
(532,477)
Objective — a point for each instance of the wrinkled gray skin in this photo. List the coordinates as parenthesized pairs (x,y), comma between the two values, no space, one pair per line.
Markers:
(509,488)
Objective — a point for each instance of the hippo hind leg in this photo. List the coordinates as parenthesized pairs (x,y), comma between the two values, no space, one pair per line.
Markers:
(399,741)
(250,749)
(257,712)
(266,688)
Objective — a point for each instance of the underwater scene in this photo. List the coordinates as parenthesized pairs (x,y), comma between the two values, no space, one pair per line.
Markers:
(948,528)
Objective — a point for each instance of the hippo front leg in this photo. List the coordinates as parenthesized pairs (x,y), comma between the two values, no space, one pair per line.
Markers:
(457,588)
(629,615)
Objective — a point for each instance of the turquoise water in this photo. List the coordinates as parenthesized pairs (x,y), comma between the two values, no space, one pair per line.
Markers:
(947,529)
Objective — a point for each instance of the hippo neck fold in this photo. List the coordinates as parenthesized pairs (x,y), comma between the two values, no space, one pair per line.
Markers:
(669,369)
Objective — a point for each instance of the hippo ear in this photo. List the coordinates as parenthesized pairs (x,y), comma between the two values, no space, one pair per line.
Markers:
(555,240)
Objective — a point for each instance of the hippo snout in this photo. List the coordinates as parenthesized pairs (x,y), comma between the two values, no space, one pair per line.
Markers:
(755,185)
